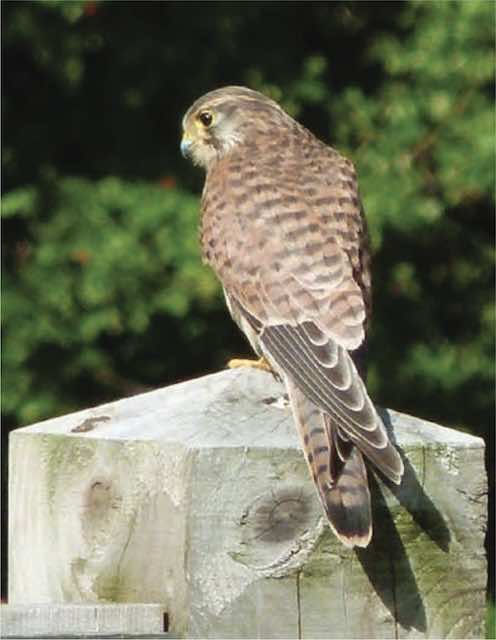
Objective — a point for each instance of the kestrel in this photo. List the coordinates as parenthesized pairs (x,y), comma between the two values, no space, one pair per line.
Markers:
(283,228)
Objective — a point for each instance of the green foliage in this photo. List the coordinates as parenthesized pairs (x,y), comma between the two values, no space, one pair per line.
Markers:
(424,147)
(429,127)
(100,259)
(104,293)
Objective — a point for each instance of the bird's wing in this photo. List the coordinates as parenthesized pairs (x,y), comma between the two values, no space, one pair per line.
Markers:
(294,264)
(325,373)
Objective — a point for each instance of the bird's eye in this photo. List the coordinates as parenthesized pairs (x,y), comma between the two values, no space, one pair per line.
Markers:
(205,117)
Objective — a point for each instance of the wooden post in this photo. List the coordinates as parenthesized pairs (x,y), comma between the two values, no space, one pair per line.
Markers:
(197,496)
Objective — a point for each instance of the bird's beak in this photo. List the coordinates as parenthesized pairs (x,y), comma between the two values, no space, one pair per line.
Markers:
(186,146)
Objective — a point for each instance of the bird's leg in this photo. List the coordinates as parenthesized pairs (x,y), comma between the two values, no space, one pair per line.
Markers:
(261,364)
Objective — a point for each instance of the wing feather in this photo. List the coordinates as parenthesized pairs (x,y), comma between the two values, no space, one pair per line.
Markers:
(320,390)
(291,350)
(373,442)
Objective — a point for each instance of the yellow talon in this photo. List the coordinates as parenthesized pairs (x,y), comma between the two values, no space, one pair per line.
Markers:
(261,364)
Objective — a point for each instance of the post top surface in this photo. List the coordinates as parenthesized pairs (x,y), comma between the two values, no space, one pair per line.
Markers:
(232,408)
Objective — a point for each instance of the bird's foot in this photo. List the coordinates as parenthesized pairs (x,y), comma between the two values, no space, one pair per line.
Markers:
(261,364)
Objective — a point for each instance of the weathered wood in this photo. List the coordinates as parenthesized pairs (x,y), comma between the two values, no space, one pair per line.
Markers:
(90,621)
(197,496)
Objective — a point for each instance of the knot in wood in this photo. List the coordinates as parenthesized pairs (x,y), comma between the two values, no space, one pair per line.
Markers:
(99,496)
(101,501)
(278,516)
(279,529)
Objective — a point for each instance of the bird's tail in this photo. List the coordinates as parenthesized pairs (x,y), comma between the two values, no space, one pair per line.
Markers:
(338,470)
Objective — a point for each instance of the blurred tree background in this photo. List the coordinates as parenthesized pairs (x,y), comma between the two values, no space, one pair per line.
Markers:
(104,294)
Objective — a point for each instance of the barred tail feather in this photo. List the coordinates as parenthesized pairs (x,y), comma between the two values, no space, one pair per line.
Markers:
(348,503)
(342,484)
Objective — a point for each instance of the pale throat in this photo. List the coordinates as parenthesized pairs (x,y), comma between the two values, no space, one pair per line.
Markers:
(206,154)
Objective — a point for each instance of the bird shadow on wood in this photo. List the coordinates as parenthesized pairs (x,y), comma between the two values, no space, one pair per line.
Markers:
(412,497)
(385,560)
(387,566)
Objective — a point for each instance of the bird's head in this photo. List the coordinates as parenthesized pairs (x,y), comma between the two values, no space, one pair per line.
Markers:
(221,120)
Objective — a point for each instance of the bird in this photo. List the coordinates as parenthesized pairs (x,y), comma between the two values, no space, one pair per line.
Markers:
(283,228)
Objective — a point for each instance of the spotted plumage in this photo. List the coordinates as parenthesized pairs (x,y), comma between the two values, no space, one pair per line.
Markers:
(283,228)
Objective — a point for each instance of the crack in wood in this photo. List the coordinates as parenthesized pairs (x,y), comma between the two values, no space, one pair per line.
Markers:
(422,482)
(298,602)
(343,593)
(395,603)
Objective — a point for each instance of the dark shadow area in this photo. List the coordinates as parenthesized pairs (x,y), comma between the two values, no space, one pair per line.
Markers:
(385,561)
(411,495)
(387,566)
